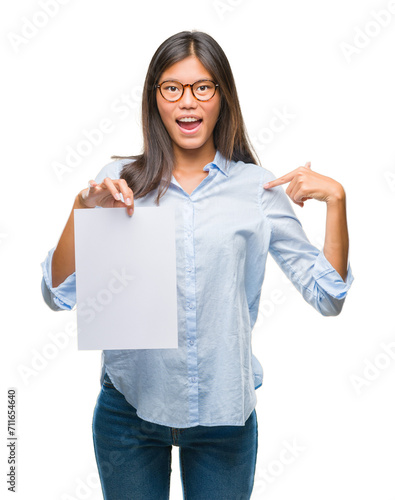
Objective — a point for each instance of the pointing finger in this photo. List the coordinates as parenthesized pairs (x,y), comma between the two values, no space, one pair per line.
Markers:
(281,180)
(284,179)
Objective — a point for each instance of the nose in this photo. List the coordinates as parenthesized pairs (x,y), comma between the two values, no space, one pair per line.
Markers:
(187,100)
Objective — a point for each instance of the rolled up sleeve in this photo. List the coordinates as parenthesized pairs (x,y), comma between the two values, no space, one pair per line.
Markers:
(329,279)
(62,297)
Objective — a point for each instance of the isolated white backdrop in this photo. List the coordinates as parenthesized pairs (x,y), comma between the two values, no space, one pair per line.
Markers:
(329,68)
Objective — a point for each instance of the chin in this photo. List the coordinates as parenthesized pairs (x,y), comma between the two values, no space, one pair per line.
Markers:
(190,144)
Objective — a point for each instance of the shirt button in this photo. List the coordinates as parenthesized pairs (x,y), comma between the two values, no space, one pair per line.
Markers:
(191,342)
(190,305)
(193,379)
(189,269)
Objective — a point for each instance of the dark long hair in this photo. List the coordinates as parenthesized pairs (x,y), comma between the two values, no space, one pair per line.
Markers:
(156,162)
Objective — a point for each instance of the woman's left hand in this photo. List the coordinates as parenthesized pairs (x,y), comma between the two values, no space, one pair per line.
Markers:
(305,184)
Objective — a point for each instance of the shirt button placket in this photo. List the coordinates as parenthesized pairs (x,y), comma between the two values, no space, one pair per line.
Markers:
(190,268)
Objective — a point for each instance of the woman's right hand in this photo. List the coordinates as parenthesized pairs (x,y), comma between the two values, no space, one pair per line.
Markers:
(107,195)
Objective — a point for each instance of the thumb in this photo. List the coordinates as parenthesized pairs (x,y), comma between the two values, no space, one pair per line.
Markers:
(308,164)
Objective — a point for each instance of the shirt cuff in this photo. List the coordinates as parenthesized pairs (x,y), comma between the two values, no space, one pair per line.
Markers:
(329,279)
(64,295)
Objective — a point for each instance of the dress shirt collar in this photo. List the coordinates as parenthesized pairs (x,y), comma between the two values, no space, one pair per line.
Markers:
(220,162)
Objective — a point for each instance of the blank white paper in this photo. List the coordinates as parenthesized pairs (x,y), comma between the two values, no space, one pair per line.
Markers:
(126,278)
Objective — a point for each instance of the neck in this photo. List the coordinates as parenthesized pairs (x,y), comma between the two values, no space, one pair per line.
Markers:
(192,161)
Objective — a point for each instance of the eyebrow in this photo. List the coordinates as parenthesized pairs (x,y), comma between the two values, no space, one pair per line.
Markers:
(172,78)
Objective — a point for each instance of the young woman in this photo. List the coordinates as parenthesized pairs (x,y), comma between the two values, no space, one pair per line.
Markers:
(229,213)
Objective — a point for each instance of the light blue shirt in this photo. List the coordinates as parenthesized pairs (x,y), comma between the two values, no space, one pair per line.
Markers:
(224,231)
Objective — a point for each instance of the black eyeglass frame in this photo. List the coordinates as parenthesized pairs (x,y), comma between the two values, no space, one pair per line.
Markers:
(187,85)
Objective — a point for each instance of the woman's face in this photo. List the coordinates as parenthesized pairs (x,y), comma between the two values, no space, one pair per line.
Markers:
(189,70)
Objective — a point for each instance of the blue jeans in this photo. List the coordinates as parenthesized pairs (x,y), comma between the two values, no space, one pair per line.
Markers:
(134,456)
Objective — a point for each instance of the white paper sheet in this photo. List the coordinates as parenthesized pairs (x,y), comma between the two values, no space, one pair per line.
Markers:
(126,278)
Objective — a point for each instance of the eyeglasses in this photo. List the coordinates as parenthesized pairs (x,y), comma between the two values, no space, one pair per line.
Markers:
(202,90)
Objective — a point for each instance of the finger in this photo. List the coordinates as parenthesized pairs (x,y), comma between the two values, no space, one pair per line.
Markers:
(285,178)
(295,197)
(296,192)
(299,195)
(108,183)
(127,193)
(292,192)
(281,180)
(299,199)
(85,193)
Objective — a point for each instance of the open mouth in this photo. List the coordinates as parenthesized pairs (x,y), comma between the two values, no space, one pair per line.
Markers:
(189,127)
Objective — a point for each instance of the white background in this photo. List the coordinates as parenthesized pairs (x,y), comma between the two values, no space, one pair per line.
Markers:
(289,55)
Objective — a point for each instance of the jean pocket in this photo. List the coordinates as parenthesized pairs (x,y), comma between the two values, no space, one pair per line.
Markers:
(107,381)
